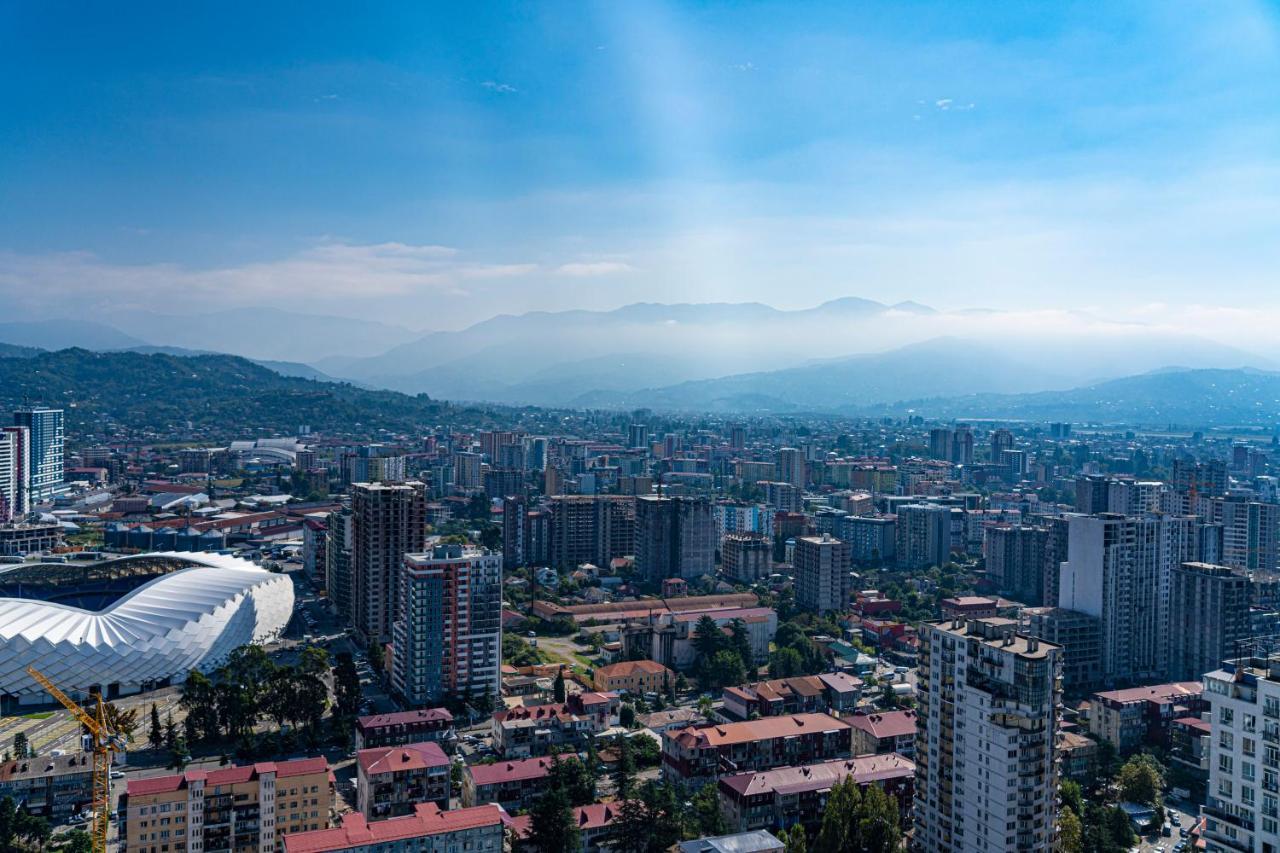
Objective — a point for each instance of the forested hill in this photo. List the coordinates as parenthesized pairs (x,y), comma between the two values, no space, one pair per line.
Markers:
(217,394)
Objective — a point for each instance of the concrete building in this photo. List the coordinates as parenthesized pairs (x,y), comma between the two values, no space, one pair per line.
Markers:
(513,785)
(829,692)
(986,767)
(1242,806)
(228,810)
(592,529)
(882,732)
(1135,716)
(339,536)
(746,557)
(468,471)
(1250,532)
(633,676)
(788,796)
(824,581)
(45,430)
(871,538)
(1208,618)
(668,636)
(792,467)
(404,727)
(783,496)
(448,640)
(695,756)
(1016,561)
(923,536)
(391,779)
(1080,637)
(52,787)
(675,538)
(427,830)
(1119,570)
(15,473)
(388,521)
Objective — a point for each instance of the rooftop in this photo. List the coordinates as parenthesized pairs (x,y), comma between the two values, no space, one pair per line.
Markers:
(227,775)
(1151,693)
(767,728)
(757,841)
(820,776)
(509,771)
(403,718)
(398,759)
(886,723)
(426,820)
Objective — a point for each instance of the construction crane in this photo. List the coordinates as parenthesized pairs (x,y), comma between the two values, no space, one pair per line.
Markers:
(105,742)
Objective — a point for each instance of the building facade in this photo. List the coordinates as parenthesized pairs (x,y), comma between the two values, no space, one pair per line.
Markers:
(389,520)
(45,430)
(1208,618)
(824,580)
(675,538)
(448,640)
(986,767)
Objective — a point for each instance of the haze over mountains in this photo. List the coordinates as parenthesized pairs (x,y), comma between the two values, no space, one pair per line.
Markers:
(847,355)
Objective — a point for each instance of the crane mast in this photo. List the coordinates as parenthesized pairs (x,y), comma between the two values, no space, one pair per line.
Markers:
(104,744)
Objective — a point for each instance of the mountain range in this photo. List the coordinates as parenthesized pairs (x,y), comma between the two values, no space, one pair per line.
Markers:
(844,356)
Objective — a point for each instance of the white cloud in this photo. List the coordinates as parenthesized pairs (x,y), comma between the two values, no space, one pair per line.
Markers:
(495,86)
(588,269)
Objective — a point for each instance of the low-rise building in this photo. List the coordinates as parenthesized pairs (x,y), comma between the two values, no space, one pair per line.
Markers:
(1189,746)
(1079,757)
(427,830)
(634,676)
(49,787)
(401,727)
(511,784)
(1138,715)
(757,841)
(696,756)
(884,732)
(789,795)
(528,730)
(391,779)
(594,822)
(231,809)
(969,607)
(836,692)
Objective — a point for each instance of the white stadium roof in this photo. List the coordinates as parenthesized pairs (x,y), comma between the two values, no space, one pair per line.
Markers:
(191,618)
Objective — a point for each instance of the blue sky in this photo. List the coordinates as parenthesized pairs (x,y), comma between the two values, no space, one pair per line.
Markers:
(433,164)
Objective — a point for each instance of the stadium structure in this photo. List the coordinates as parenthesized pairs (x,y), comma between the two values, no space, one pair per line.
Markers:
(132,623)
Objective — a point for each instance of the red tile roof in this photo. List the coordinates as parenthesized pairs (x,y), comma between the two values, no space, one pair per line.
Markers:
(226,775)
(592,816)
(885,724)
(820,776)
(630,667)
(509,771)
(767,728)
(427,820)
(1154,693)
(401,718)
(397,759)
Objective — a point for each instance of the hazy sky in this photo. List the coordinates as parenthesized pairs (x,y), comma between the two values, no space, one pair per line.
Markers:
(429,166)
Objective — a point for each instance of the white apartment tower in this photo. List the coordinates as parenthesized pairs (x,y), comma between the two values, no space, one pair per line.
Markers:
(986,763)
(1242,806)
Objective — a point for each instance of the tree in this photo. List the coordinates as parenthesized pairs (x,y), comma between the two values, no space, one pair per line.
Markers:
(794,839)
(625,772)
(1071,796)
(157,734)
(785,663)
(552,827)
(375,655)
(1070,832)
(346,686)
(1141,780)
(200,699)
(741,643)
(76,841)
(123,723)
(21,746)
(706,812)
(840,820)
(573,778)
(627,716)
(707,638)
(878,822)
(559,687)
(726,669)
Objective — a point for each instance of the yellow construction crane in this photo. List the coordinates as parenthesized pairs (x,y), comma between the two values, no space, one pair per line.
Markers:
(104,744)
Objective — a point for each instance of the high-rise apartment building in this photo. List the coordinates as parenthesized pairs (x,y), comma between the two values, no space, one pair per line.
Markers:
(467,471)
(792,467)
(1001,439)
(590,529)
(1250,532)
(923,533)
(675,538)
(1208,618)
(1242,806)
(15,473)
(745,557)
(986,763)
(47,449)
(824,578)
(784,497)
(1093,494)
(638,436)
(448,638)
(388,521)
(515,531)
(338,560)
(738,437)
(227,809)
(1016,560)
(1118,569)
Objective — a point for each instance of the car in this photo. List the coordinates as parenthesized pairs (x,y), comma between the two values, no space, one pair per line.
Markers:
(57,753)
(900,669)
(117,774)
(531,634)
